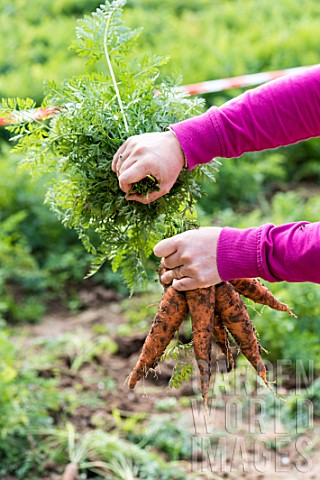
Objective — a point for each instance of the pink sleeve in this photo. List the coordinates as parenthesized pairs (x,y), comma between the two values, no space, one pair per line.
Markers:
(288,252)
(278,113)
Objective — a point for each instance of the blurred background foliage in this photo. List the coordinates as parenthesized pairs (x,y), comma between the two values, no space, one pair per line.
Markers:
(41,260)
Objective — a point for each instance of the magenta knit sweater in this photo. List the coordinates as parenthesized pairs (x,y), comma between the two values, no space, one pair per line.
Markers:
(281,112)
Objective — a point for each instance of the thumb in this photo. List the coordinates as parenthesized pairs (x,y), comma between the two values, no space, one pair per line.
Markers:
(165,248)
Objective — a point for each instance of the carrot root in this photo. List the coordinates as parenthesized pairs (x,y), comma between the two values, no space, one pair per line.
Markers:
(201,304)
(221,336)
(253,289)
(171,313)
(233,312)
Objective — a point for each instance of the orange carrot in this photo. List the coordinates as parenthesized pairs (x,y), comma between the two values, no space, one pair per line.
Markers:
(253,289)
(201,303)
(220,334)
(171,313)
(233,313)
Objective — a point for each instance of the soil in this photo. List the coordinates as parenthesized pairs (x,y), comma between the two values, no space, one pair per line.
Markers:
(228,441)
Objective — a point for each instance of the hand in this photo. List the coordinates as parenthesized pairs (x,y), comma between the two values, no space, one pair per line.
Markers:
(158,154)
(191,258)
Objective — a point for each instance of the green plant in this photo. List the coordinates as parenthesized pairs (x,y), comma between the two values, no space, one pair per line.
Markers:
(20,275)
(138,310)
(35,37)
(110,456)
(40,259)
(25,402)
(166,434)
(95,114)
(182,354)
(78,347)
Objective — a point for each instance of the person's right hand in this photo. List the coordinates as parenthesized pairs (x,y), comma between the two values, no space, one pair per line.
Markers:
(158,154)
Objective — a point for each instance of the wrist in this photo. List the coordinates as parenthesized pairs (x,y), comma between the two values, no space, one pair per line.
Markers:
(199,138)
(181,156)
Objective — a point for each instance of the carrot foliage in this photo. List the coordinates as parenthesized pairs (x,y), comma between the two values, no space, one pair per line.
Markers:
(95,113)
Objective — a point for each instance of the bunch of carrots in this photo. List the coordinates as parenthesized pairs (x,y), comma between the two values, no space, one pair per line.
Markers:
(215,311)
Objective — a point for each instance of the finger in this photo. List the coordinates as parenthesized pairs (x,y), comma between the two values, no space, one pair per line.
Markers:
(143,198)
(172,261)
(170,275)
(133,174)
(124,164)
(122,158)
(185,284)
(119,165)
(122,150)
(116,157)
(166,247)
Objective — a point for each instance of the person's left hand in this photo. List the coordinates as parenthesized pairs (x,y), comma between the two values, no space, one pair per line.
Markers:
(191,258)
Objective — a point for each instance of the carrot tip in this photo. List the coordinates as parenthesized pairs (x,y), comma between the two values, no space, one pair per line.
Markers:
(205,403)
(267,384)
(131,384)
(264,350)
(132,380)
(230,366)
